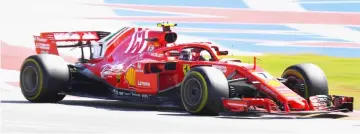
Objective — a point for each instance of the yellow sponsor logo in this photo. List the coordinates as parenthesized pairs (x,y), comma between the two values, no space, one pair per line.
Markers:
(130,76)
(290,94)
(274,83)
(186,68)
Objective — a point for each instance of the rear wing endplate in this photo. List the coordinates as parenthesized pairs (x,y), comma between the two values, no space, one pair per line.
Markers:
(48,42)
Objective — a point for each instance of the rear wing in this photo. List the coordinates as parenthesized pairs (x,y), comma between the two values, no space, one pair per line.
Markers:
(49,42)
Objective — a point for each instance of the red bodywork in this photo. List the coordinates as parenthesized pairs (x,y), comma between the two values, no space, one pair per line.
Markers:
(130,55)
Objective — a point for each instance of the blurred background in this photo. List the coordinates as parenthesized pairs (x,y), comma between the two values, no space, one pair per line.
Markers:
(279,32)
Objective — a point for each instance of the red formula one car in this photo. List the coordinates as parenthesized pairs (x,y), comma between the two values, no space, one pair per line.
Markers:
(146,66)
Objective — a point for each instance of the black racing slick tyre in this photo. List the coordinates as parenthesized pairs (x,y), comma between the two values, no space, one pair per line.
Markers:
(43,77)
(306,79)
(202,90)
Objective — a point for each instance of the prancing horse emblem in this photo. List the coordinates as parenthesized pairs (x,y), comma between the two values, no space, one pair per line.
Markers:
(186,68)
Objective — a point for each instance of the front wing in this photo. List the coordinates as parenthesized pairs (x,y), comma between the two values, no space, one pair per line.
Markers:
(318,103)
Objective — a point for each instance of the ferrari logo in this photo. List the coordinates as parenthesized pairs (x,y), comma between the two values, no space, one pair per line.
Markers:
(130,76)
(186,68)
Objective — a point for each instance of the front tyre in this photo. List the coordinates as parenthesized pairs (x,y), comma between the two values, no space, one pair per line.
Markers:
(43,77)
(202,90)
(306,79)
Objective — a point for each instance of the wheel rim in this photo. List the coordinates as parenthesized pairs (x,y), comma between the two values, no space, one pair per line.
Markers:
(29,79)
(296,84)
(193,92)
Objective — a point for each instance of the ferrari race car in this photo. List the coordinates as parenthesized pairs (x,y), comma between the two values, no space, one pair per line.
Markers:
(145,65)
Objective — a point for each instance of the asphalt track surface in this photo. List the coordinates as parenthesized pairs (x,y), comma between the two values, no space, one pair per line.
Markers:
(83,115)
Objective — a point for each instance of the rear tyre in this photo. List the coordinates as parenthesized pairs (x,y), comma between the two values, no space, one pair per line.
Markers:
(306,79)
(43,77)
(202,90)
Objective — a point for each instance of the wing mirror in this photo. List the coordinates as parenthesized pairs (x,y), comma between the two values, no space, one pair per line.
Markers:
(222,52)
(174,53)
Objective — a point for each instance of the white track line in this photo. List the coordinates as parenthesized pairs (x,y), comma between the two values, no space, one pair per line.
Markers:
(333,31)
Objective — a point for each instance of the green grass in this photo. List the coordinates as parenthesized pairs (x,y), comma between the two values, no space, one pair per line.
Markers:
(343,73)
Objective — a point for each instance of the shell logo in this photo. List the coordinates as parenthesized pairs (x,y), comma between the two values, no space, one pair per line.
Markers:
(130,76)
(157,44)
(274,83)
(118,77)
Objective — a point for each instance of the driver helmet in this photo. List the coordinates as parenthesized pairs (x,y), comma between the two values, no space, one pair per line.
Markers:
(185,54)
(196,54)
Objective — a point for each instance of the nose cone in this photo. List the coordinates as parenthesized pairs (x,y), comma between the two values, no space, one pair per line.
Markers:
(297,104)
